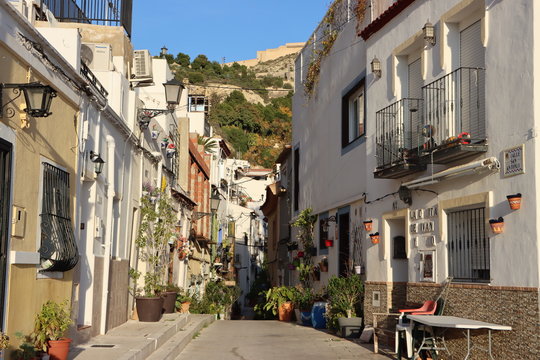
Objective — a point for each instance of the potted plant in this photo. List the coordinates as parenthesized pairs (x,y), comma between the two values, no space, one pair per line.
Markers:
(305,224)
(374,238)
(514,201)
(50,326)
(156,228)
(323,264)
(345,295)
(368,225)
(169,295)
(4,343)
(329,242)
(183,302)
(279,300)
(497,225)
(26,350)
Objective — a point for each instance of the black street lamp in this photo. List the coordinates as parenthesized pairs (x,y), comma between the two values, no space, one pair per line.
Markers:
(98,162)
(38,98)
(173,93)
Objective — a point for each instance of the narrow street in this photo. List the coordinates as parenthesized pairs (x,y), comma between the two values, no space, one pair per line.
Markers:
(261,340)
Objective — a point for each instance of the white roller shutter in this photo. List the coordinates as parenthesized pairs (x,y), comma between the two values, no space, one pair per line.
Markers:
(471,47)
(415,80)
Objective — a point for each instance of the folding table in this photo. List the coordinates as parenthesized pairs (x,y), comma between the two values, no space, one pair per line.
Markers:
(453,322)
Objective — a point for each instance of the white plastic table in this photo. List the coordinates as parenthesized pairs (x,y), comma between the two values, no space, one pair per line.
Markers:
(454,322)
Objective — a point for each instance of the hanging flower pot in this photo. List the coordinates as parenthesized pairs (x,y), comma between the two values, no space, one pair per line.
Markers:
(292,246)
(164,143)
(329,242)
(368,225)
(300,254)
(497,225)
(357,269)
(374,238)
(171,150)
(514,201)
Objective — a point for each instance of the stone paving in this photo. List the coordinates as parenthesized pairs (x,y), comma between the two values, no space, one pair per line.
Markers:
(271,340)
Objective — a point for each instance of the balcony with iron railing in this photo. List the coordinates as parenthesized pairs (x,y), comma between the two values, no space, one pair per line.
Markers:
(92,79)
(97,12)
(446,125)
(396,139)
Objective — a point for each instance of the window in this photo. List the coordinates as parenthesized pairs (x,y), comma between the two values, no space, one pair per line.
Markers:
(198,103)
(468,245)
(353,114)
(58,249)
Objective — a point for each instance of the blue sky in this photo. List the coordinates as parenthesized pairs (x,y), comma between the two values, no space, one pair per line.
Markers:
(234,29)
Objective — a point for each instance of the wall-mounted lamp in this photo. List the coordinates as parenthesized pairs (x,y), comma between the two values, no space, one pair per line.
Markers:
(376,67)
(429,33)
(38,98)
(326,222)
(98,162)
(173,93)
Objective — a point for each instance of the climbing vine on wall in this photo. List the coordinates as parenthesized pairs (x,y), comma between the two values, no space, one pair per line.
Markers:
(333,24)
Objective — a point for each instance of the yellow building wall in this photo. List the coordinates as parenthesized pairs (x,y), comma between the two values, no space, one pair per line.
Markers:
(54,138)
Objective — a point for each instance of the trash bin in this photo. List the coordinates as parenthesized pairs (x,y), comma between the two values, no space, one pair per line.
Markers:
(317,315)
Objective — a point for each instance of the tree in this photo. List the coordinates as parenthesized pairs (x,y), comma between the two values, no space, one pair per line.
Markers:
(200,62)
(183,59)
(196,78)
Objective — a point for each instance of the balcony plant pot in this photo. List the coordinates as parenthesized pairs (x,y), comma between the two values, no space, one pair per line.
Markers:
(149,309)
(350,328)
(329,243)
(58,349)
(358,269)
(374,238)
(169,301)
(285,311)
(368,225)
(514,201)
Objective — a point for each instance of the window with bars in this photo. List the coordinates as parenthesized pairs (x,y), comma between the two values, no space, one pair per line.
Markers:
(58,249)
(198,103)
(468,245)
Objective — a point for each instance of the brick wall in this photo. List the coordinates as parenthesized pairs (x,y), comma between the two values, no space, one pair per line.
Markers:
(516,307)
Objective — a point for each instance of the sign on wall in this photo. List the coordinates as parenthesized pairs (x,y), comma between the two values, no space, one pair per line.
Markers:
(514,161)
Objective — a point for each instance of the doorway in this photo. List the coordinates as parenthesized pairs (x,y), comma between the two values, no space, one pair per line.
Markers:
(344,243)
(5,186)
(398,250)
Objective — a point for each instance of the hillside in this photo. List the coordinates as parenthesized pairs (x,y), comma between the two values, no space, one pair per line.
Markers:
(250,107)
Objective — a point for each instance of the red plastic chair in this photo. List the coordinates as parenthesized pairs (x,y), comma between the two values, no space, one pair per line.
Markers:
(428,308)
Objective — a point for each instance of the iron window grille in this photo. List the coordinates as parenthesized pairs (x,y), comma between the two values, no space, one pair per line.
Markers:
(58,249)
(468,246)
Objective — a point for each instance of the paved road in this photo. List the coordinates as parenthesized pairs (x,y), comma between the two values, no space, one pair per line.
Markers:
(271,340)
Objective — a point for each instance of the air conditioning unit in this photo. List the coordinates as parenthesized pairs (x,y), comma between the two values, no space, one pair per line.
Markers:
(142,65)
(97,57)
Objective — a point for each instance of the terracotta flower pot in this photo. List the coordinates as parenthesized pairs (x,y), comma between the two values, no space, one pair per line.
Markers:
(185,307)
(285,311)
(149,309)
(497,227)
(169,301)
(368,225)
(323,267)
(59,349)
(374,238)
(514,201)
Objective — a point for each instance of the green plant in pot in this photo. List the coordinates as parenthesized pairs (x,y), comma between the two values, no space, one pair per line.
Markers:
(304,299)
(152,242)
(305,222)
(26,350)
(50,326)
(183,302)
(221,297)
(279,301)
(345,300)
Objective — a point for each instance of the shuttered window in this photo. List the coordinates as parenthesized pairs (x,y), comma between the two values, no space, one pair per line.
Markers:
(468,245)
(471,47)
(58,247)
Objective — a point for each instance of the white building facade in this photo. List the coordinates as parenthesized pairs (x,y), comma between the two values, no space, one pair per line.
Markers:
(446,133)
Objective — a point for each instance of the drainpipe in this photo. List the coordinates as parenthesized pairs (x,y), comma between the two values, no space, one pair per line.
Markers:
(108,233)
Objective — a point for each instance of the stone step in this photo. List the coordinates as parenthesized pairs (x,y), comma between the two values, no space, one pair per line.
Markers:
(173,347)
(133,340)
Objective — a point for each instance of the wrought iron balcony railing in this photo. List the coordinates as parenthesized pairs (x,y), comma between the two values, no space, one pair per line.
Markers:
(98,12)
(397,132)
(85,71)
(454,109)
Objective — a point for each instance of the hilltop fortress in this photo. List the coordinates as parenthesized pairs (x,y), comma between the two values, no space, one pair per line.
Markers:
(271,54)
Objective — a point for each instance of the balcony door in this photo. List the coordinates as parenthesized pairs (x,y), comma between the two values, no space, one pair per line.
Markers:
(472,56)
(5,185)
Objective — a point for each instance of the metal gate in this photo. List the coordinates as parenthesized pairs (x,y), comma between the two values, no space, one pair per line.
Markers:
(5,186)
(468,245)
